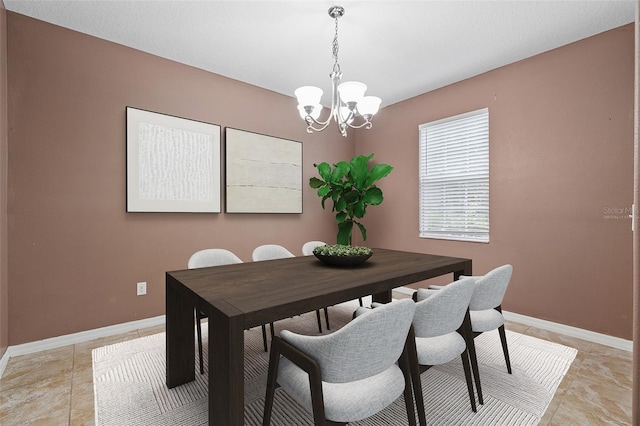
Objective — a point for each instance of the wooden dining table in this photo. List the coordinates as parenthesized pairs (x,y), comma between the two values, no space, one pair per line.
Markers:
(240,296)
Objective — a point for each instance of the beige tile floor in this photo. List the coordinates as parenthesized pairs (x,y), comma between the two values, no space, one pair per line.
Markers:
(55,387)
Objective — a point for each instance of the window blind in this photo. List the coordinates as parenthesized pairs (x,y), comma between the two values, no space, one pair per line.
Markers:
(454,177)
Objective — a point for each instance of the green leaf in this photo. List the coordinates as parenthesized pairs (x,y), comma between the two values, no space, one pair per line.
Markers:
(341,204)
(338,174)
(324,169)
(344,232)
(323,200)
(359,171)
(378,172)
(315,183)
(359,209)
(351,196)
(373,196)
(341,217)
(363,231)
(325,190)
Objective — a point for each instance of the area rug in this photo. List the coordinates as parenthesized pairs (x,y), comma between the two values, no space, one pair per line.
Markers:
(129,383)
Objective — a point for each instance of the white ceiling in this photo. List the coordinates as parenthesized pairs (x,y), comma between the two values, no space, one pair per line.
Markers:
(400,49)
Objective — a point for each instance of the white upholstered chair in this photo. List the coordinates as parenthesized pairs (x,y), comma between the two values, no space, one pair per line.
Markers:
(307,248)
(442,330)
(485,306)
(275,251)
(350,374)
(213,257)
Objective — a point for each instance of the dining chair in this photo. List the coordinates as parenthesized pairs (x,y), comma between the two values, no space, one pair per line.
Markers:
(214,257)
(275,251)
(307,248)
(442,329)
(350,374)
(485,306)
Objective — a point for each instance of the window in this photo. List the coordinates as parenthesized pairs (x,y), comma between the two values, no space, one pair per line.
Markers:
(454,178)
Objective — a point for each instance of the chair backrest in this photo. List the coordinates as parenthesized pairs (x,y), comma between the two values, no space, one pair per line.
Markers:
(269,252)
(366,346)
(490,288)
(442,311)
(212,257)
(307,248)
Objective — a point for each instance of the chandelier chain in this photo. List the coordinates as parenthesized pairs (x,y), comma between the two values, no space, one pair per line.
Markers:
(336,47)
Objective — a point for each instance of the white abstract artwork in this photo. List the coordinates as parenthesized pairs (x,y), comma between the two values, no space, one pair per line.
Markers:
(173,164)
(264,173)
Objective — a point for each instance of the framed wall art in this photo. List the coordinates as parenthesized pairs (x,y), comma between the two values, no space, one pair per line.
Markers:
(263,173)
(173,164)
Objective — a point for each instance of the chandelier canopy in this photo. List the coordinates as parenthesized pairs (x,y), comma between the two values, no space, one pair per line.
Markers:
(349,106)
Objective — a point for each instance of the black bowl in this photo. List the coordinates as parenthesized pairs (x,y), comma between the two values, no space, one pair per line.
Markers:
(343,260)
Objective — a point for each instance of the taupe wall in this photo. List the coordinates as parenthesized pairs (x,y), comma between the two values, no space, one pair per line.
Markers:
(561,152)
(75,254)
(561,131)
(4,287)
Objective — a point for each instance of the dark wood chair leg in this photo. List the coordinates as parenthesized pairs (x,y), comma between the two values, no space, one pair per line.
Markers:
(319,322)
(467,376)
(199,329)
(408,363)
(505,349)
(264,338)
(471,347)
(326,318)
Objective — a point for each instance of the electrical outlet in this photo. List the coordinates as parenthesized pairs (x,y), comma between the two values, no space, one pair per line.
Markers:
(141,288)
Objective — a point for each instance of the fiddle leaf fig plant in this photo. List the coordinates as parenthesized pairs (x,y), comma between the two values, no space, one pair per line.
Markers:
(351,187)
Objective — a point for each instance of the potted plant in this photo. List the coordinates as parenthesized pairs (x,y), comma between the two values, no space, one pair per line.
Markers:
(351,187)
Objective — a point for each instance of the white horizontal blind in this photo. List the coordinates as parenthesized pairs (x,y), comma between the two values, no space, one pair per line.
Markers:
(454,177)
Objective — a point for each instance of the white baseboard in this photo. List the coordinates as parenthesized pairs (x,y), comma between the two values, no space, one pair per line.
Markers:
(567,330)
(71,339)
(83,336)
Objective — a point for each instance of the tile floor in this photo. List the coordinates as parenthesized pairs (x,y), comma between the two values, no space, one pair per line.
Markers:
(55,387)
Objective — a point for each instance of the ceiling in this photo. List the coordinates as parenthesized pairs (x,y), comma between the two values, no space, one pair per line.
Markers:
(400,49)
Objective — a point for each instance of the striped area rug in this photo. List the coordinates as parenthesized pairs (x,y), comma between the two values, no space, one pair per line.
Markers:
(129,383)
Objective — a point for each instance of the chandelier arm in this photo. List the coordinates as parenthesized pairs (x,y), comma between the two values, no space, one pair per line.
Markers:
(311,121)
(367,124)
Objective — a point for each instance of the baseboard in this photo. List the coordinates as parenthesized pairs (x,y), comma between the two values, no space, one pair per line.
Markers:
(83,336)
(4,361)
(567,330)
(71,339)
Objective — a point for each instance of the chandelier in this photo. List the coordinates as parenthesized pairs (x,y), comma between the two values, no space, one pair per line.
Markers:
(349,106)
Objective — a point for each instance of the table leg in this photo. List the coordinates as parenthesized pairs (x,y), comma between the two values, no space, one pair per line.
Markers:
(384,297)
(179,336)
(226,368)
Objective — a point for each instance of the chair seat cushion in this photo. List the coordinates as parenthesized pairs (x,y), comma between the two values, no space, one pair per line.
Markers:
(439,349)
(344,402)
(486,320)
